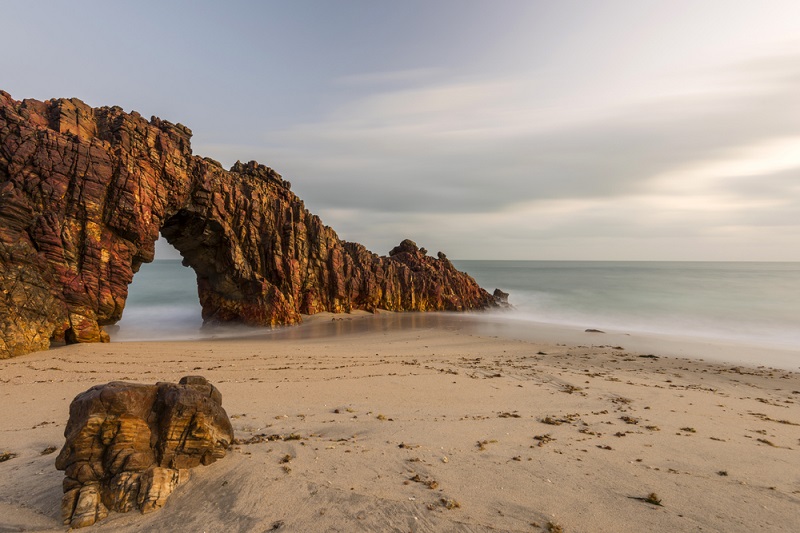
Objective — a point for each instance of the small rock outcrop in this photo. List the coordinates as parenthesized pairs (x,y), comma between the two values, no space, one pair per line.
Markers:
(501,299)
(129,445)
(85,192)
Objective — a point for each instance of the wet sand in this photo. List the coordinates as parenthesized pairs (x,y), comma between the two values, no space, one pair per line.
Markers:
(419,423)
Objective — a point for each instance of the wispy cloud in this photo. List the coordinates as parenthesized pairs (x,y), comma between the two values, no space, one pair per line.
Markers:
(477,157)
(475,137)
(392,77)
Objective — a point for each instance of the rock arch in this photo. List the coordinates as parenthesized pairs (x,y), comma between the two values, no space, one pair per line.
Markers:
(84,193)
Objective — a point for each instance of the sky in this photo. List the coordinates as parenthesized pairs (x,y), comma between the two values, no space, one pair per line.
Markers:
(550,130)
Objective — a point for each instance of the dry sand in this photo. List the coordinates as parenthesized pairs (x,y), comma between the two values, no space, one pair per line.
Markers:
(429,425)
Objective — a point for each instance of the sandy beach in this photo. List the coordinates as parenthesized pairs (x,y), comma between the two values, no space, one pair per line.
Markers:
(387,423)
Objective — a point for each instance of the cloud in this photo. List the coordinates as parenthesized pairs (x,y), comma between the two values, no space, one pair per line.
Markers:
(388,77)
(505,162)
(473,146)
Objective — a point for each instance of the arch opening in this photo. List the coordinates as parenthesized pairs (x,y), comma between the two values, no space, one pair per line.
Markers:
(231,289)
(162,301)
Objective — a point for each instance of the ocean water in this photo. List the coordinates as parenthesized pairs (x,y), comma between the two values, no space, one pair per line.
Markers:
(162,304)
(738,302)
(753,303)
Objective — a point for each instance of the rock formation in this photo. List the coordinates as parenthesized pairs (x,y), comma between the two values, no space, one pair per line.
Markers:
(129,445)
(84,193)
(501,299)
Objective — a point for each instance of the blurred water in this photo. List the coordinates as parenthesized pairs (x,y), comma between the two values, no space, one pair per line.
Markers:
(162,304)
(758,303)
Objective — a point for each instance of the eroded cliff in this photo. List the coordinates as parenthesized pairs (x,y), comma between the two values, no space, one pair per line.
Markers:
(84,193)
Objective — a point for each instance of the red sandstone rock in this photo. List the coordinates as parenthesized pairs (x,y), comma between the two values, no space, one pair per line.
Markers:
(129,445)
(84,193)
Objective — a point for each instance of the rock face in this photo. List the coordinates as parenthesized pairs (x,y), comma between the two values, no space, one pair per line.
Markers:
(129,445)
(501,299)
(84,193)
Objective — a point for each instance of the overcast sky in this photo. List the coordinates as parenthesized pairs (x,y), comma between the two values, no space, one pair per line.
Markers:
(652,130)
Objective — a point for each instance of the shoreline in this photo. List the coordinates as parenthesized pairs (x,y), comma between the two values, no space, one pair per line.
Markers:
(505,325)
(518,433)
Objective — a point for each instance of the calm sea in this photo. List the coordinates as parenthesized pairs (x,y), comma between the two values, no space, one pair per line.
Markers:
(754,303)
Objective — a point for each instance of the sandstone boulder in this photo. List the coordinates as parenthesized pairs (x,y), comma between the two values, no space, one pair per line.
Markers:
(129,445)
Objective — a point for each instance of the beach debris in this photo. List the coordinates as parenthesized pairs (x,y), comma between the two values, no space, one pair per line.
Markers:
(449,503)
(129,445)
(551,421)
(48,450)
(592,330)
(543,439)
(557,421)
(651,498)
(483,443)
(427,481)
(5,456)
(770,402)
(766,418)
(649,356)
(629,420)
(553,527)
(263,437)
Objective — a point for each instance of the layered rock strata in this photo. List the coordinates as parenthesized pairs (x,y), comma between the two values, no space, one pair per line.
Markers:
(84,193)
(129,445)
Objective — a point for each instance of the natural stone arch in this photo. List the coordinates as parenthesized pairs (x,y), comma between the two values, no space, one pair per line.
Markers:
(86,191)
(230,287)
(200,241)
